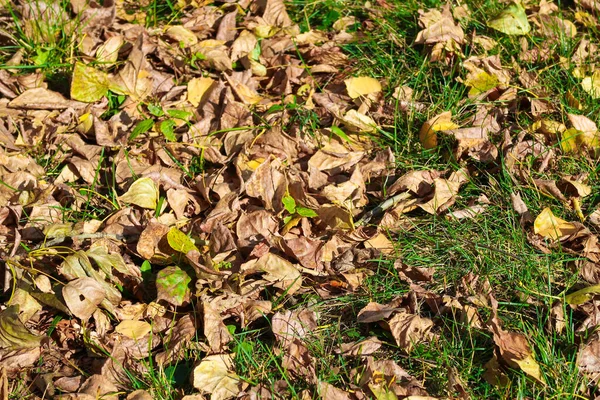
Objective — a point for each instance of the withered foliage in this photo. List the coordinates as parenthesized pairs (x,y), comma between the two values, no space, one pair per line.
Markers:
(209,174)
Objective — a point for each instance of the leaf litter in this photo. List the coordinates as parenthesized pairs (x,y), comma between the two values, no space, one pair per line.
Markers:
(201,204)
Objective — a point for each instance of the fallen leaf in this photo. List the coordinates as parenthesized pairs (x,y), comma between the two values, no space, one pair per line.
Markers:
(82,296)
(199,88)
(362,86)
(582,296)
(13,334)
(516,352)
(214,375)
(172,285)
(588,359)
(410,329)
(88,84)
(133,329)
(143,193)
(552,227)
(441,122)
(512,20)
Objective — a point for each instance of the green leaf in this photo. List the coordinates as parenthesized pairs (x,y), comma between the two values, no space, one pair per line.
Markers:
(155,110)
(337,131)
(88,84)
(306,212)
(179,241)
(583,295)
(146,266)
(180,114)
(172,285)
(289,203)
(287,219)
(511,21)
(142,127)
(168,130)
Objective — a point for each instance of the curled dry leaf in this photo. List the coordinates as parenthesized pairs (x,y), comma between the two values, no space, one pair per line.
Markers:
(515,351)
(588,359)
(410,329)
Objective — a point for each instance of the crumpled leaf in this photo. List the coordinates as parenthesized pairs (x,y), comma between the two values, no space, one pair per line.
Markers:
(88,83)
(588,359)
(410,329)
(143,193)
(512,20)
(13,334)
(172,284)
(214,376)
(277,270)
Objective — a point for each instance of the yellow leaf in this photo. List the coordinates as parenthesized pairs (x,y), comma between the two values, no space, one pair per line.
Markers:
(133,329)
(591,84)
(511,21)
(143,193)
(583,295)
(480,82)
(441,122)
(88,84)
(530,367)
(362,86)
(197,88)
(550,226)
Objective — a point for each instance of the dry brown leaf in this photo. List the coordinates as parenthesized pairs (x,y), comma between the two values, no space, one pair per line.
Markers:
(374,312)
(516,352)
(410,329)
(82,296)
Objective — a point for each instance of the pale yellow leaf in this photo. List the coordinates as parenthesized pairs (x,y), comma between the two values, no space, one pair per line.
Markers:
(143,193)
(214,375)
(362,86)
(197,88)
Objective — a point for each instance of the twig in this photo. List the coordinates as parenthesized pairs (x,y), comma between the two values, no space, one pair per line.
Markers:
(389,203)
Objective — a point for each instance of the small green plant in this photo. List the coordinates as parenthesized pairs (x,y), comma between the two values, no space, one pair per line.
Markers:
(163,121)
(295,212)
